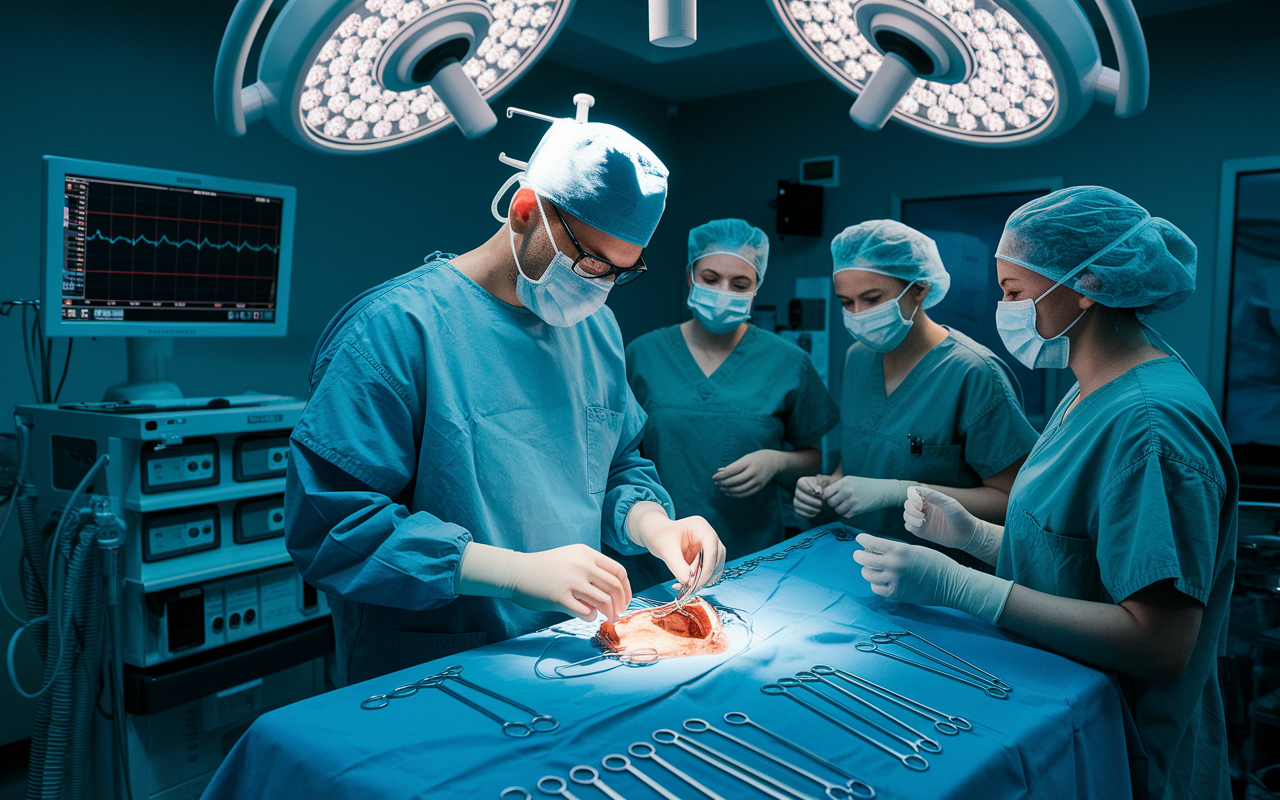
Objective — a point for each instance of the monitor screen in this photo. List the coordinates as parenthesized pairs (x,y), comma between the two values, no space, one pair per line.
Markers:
(133,251)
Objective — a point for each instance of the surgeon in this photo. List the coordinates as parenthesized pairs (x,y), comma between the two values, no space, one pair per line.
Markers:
(735,412)
(471,439)
(1119,547)
(922,404)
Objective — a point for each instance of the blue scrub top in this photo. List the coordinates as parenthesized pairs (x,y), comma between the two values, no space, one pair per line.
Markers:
(961,401)
(765,396)
(440,415)
(1137,485)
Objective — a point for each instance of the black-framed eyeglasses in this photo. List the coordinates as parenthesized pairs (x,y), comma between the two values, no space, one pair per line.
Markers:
(590,265)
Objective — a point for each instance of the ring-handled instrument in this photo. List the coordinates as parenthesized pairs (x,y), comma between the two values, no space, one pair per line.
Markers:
(912,760)
(854,783)
(942,722)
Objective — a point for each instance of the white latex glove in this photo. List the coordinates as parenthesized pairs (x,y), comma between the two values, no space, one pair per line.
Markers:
(677,542)
(809,489)
(941,518)
(852,495)
(913,574)
(575,579)
(747,475)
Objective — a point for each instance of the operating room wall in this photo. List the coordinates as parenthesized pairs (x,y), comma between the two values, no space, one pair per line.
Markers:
(131,82)
(1213,97)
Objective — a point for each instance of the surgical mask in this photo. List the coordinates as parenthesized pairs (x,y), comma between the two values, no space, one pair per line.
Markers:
(561,297)
(719,311)
(881,328)
(1016,322)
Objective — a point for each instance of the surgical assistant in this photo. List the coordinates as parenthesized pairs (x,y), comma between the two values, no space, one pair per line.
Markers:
(921,403)
(1119,547)
(735,412)
(471,438)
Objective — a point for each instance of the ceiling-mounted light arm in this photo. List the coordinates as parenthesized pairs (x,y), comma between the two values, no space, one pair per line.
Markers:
(1129,88)
(584,102)
(235,105)
(673,23)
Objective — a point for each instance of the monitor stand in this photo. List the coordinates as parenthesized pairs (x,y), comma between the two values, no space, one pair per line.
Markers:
(148,366)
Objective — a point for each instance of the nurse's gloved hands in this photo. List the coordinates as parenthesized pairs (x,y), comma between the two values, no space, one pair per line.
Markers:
(913,574)
(940,518)
(677,542)
(575,579)
(852,495)
(749,474)
(809,493)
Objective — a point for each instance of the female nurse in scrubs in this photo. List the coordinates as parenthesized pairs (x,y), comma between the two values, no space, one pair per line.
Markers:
(922,403)
(1119,547)
(734,411)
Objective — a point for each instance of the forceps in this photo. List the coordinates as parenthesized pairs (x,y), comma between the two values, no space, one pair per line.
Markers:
(727,766)
(454,673)
(896,637)
(944,723)
(911,760)
(555,785)
(646,750)
(921,739)
(990,689)
(509,727)
(739,718)
(588,776)
(619,763)
(834,790)
(686,592)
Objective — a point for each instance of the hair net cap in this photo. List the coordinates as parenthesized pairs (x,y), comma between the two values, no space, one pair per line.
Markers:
(1104,246)
(734,237)
(887,247)
(602,175)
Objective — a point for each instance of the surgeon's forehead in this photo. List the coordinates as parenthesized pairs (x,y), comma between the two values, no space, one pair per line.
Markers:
(725,264)
(853,282)
(624,254)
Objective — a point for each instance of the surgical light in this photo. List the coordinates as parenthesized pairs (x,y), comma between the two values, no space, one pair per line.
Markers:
(673,23)
(983,72)
(362,76)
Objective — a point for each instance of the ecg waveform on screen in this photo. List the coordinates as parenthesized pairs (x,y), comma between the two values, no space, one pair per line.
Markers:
(159,246)
(165,240)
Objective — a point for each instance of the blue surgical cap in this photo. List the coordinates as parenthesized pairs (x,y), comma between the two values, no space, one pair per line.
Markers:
(1104,246)
(887,247)
(734,237)
(602,175)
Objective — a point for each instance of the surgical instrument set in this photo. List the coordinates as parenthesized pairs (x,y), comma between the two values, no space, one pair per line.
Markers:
(540,723)
(981,679)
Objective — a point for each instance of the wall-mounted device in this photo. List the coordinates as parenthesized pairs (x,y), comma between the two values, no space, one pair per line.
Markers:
(799,209)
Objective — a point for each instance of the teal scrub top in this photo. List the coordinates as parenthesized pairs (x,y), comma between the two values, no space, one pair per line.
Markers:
(441,415)
(1137,485)
(766,395)
(961,402)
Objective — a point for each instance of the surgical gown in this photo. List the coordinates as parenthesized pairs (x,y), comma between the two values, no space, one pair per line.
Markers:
(441,415)
(960,405)
(1137,485)
(766,395)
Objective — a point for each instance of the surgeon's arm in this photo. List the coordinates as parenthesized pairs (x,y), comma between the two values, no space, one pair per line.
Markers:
(1151,634)
(677,542)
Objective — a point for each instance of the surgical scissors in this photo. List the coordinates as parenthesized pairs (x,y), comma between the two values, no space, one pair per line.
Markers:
(921,739)
(638,750)
(896,637)
(621,763)
(454,673)
(509,727)
(551,787)
(374,702)
(739,718)
(833,790)
(990,689)
(727,765)
(911,760)
(942,722)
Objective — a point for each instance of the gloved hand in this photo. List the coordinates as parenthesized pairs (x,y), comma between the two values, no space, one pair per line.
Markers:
(575,579)
(941,518)
(809,489)
(749,474)
(677,542)
(852,495)
(913,574)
